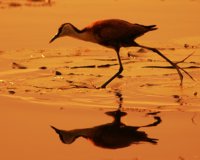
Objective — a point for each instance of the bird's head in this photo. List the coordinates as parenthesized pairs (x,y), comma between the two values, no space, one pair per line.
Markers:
(65,29)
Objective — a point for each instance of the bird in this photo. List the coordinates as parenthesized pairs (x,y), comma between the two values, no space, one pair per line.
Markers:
(114,33)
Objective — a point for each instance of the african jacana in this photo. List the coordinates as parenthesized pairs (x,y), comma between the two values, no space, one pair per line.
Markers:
(114,33)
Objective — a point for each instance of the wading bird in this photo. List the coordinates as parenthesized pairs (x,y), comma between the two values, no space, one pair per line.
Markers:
(114,33)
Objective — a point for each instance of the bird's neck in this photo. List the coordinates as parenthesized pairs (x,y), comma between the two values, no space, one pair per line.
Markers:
(84,34)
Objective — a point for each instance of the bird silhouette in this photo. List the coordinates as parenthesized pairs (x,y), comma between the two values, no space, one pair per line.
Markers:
(114,33)
(111,135)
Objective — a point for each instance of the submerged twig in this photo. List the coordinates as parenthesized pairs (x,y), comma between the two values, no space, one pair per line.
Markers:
(18,66)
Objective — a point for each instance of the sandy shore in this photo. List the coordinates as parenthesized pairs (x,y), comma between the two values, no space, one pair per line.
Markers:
(43,85)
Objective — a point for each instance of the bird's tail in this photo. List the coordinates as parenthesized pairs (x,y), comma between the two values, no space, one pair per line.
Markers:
(151,27)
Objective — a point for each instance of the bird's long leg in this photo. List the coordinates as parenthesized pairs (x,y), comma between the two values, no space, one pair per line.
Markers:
(168,60)
(116,74)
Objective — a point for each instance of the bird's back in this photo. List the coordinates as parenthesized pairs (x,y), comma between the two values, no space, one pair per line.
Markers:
(113,31)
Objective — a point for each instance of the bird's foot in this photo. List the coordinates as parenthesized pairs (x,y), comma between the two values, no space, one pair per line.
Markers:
(183,60)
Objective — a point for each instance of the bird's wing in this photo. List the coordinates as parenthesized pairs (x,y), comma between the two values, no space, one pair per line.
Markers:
(111,31)
(118,30)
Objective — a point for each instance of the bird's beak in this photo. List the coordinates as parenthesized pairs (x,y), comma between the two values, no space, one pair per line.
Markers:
(55,37)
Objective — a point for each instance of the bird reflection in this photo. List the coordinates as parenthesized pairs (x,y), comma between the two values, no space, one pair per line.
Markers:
(110,135)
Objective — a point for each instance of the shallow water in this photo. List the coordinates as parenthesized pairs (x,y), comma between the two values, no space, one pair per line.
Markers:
(26,133)
(37,99)
(54,77)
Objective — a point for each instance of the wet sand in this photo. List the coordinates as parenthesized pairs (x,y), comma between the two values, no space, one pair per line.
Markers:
(43,85)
